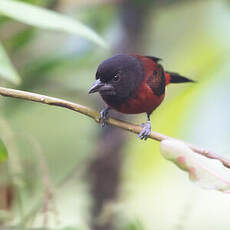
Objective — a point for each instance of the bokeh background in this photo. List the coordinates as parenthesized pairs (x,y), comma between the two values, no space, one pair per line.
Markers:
(63,170)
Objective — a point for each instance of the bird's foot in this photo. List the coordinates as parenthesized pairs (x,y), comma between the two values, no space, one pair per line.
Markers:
(104,116)
(146,131)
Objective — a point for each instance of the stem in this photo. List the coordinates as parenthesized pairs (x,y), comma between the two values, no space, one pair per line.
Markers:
(95,115)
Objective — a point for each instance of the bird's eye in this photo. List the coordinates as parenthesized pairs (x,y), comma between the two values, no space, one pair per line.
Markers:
(116,78)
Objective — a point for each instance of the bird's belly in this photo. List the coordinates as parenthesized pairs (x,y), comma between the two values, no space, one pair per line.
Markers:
(144,103)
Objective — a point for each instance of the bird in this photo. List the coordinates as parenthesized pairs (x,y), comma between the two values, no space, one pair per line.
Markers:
(133,84)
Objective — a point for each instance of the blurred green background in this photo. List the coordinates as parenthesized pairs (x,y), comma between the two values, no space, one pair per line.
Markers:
(63,170)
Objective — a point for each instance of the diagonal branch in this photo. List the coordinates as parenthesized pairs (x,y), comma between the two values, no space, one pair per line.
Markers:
(95,115)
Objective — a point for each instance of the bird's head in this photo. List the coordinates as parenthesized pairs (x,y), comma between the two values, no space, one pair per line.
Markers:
(118,76)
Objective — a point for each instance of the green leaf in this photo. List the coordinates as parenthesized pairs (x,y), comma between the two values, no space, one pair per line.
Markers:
(20,39)
(7,70)
(135,225)
(47,19)
(3,152)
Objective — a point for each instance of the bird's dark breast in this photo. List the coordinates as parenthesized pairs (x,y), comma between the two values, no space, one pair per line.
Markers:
(114,101)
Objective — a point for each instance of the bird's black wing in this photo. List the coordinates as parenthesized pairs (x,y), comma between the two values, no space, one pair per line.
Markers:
(156,81)
(155,59)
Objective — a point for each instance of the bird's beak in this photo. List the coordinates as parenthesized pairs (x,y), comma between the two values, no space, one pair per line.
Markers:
(97,85)
(100,86)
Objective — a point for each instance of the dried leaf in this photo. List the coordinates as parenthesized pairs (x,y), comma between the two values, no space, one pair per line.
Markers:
(207,173)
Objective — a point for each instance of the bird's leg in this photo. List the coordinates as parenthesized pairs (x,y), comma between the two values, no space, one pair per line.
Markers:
(146,131)
(104,115)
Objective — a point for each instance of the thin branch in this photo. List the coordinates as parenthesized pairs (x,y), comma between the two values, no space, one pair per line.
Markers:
(48,188)
(95,115)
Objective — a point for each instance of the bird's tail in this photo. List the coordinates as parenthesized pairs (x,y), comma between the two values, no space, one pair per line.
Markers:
(176,78)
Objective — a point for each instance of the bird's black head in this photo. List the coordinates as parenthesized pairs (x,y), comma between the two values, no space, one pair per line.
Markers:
(118,77)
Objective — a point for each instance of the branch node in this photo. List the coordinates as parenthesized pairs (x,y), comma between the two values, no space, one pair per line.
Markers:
(97,119)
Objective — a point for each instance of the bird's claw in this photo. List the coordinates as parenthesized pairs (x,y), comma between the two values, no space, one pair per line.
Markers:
(146,131)
(104,116)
